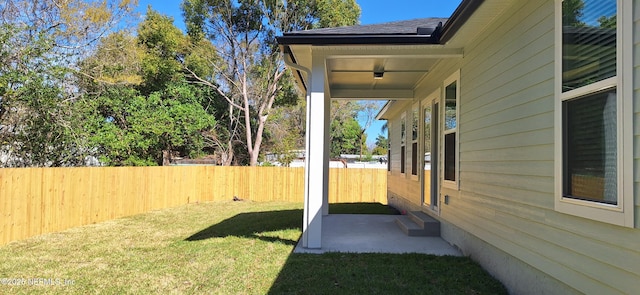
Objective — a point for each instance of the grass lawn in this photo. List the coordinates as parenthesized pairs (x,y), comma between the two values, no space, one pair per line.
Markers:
(222,248)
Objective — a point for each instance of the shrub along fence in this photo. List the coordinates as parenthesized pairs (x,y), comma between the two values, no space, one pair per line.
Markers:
(35,201)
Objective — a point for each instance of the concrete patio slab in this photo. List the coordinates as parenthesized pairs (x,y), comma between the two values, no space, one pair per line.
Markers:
(365,233)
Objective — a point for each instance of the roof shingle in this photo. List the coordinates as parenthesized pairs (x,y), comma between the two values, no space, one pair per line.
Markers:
(407,27)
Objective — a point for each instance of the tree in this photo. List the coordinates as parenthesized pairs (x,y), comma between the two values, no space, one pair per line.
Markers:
(141,107)
(572,11)
(285,130)
(346,133)
(382,145)
(41,41)
(251,76)
(138,130)
(117,60)
(164,45)
(336,13)
(367,112)
(607,22)
(345,137)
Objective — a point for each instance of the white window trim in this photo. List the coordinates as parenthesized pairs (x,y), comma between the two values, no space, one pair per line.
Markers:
(455,77)
(435,96)
(403,121)
(389,148)
(415,108)
(622,213)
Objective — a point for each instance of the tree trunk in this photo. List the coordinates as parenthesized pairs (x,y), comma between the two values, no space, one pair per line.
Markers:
(166,158)
(228,156)
(255,151)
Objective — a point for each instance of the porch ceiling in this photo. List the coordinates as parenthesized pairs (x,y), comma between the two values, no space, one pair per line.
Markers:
(350,69)
(354,77)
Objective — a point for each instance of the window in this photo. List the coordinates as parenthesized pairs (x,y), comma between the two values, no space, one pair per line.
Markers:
(414,140)
(403,137)
(590,149)
(389,127)
(450,159)
(592,178)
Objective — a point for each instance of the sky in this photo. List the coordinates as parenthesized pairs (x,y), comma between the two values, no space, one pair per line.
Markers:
(372,12)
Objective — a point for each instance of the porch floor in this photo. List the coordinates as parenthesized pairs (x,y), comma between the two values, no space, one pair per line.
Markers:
(368,233)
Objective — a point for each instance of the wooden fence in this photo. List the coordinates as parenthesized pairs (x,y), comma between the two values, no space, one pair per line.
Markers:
(35,201)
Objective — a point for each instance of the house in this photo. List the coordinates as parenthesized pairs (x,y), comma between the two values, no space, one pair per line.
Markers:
(529,112)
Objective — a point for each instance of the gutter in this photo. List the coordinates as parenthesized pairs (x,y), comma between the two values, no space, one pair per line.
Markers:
(290,60)
(422,36)
(357,39)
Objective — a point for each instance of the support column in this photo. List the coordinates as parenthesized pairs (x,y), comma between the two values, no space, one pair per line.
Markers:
(327,149)
(317,155)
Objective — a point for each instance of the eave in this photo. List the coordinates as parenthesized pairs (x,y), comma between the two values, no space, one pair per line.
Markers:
(320,40)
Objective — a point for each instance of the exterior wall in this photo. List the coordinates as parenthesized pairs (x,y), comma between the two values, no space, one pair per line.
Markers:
(503,215)
(518,276)
(403,191)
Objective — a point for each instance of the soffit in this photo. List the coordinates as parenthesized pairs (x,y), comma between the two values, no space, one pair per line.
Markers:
(355,76)
(350,69)
(392,109)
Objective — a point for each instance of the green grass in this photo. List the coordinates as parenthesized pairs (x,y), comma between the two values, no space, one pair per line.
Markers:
(224,248)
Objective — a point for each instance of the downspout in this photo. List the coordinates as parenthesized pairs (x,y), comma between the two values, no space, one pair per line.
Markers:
(288,60)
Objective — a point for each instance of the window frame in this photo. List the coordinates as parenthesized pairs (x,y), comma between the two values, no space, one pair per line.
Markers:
(390,144)
(433,101)
(403,143)
(455,77)
(621,213)
(415,142)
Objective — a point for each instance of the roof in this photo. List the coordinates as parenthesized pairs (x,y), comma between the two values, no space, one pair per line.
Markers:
(402,51)
(417,31)
(423,30)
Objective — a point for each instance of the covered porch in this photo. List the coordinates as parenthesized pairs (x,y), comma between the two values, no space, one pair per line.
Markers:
(373,233)
(375,62)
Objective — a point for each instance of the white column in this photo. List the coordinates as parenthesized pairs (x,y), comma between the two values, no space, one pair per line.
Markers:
(327,150)
(317,154)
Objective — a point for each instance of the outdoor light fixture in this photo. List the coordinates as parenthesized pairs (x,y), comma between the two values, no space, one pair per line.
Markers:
(378,75)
